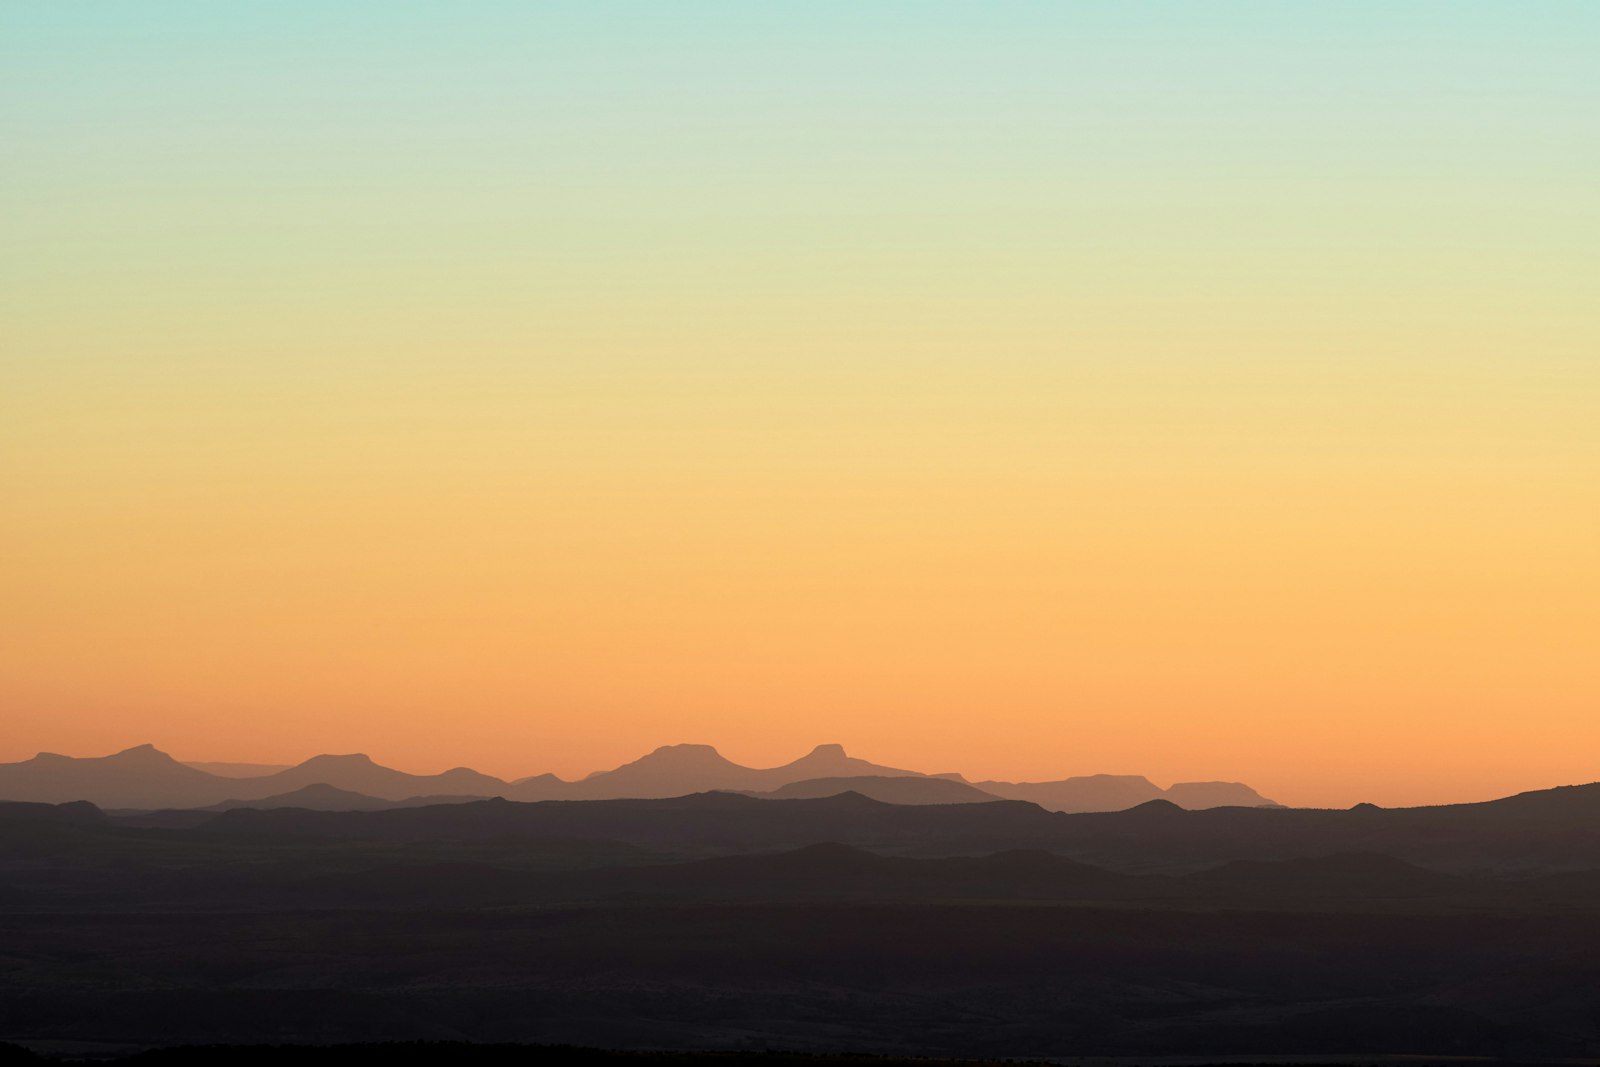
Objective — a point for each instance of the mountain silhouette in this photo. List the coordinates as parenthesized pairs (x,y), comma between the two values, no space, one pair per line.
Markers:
(831,761)
(679,770)
(145,778)
(729,922)
(1544,833)
(669,771)
(1118,792)
(1094,792)
(237,770)
(78,812)
(358,773)
(140,777)
(1197,796)
(890,790)
(1141,935)
(318,797)
(1567,800)
(537,787)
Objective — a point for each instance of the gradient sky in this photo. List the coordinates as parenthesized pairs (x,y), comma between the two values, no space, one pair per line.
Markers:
(1194,390)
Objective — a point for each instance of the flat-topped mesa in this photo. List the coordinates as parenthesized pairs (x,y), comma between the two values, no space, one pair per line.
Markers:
(686,753)
(1093,792)
(1118,792)
(349,759)
(668,771)
(1199,795)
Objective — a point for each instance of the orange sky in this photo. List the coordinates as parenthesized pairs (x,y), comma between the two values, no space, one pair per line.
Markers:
(1200,401)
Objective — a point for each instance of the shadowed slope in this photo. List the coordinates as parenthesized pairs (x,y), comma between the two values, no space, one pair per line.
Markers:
(1094,792)
(319,797)
(1532,833)
(902,790)
(237,770)
(1117,792)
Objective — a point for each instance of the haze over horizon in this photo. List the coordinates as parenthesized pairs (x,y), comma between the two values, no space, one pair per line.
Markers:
(1198,392)
(834,751)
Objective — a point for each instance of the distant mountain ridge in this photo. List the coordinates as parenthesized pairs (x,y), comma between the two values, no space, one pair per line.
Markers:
(1544,832)
(904,789)
(145,778)
(237,770)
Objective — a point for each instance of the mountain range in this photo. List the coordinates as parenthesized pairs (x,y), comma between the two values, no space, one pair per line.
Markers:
(145,778)
(1543,832)
(747,920)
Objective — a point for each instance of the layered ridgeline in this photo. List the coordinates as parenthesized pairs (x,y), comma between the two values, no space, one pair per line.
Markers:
(731,921)
(147,778)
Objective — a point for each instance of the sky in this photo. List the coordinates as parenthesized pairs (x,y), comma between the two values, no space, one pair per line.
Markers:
(1203,391)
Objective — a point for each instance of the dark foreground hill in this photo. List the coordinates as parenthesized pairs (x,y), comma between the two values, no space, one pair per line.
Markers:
(1003,979)
(461,1052)
(1546,831)
(729,922)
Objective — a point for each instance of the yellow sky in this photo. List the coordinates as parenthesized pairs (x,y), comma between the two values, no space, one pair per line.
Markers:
(1233,414)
